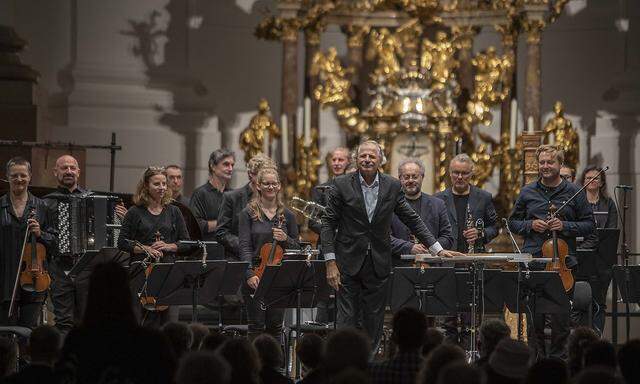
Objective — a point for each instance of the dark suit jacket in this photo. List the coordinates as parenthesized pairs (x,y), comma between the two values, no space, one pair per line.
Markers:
(434,214)
(347,214)
(319,196)
(233,202)
(481,205)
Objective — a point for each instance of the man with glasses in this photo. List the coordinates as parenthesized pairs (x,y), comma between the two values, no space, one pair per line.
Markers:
(568,174)
(463,199)
(430,209)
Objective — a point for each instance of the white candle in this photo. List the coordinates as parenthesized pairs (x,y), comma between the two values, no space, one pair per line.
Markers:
(307,121)
(285,139)
(530,124)
(265,145)
(299,116)
(513,125)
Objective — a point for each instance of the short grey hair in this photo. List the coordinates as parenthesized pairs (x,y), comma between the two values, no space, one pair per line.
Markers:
(218,155)
(18,161)
(462,158)
(411,160)
(383,158)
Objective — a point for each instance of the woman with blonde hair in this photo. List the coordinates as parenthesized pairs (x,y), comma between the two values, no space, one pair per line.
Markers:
(155,225)
(264,220)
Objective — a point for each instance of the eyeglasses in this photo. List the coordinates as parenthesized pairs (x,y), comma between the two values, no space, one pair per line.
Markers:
(410,177)
(270,185)
(460,174)
(567,177)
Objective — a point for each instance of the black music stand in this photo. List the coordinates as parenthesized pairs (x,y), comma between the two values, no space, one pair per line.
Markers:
(430,290)
(491,291)
(628,279)
(104,255)
(234,275)
(539,292)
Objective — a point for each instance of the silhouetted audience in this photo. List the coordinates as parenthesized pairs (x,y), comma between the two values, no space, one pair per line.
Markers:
(346,348)
(460,373)
(310,352)
(271,359)
(409,334)
(8,356)
(628,361)
(433,338)
(351,376)
(180,337)
(243,359)
(199,332)
(508,363)
(577,343)
(441,356)
(203,367)
(491,332)
(109,346)
(600,353)
(213,341)
(43,348)
(596,375)
(548,371)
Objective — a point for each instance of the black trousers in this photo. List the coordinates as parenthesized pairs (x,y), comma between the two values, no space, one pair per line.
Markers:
(262,320)
(68,296)
(26,312)
(363,297)
(560,325)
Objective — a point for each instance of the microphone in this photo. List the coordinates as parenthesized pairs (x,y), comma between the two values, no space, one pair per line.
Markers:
(627,187)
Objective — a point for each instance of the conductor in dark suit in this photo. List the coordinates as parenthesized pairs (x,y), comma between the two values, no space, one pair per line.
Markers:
(356,239)
(431,210)
(461,195)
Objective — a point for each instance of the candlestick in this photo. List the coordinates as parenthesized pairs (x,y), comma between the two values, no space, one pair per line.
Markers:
(285,139)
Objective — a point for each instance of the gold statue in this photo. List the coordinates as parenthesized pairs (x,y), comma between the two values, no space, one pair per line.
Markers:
(438,58)
(386,47)
(334,84)
(252,137)
(566,137)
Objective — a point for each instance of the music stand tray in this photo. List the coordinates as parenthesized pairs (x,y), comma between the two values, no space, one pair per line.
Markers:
(492,295)
(431,290)
(632,295)
(543,290)
(103,255)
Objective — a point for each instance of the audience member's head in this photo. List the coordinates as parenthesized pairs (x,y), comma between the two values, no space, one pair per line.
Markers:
(441,356)
(243,359)
(548,371)
(180,337)
(109,299)
(310,350)
(433,338)
(600,353)
(347,348)
(8,356)
(44,345)
(269,351)
(596,375)
(213,341)
(628,358)
(199,332)
(509,362)
(203,367)
(579,340)
(351,376)
(491,332)
(460,373)
(409,329)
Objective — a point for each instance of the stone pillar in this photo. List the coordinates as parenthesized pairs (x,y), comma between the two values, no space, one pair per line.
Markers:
(356,35)
(289,92)
(312,46)
(532,85)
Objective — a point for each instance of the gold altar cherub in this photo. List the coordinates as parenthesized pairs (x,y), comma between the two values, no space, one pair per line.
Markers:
(438,58)
(252,137)
(386,47)
(334,84)
(566,137)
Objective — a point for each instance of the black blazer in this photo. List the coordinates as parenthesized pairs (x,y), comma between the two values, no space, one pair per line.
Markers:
(347,232)
(233,202)
(481,206)
(434,214)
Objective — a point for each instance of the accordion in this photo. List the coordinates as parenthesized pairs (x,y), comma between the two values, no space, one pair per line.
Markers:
(87,223)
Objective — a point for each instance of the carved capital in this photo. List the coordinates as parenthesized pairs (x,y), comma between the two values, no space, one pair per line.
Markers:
(463,36)
(312,36)
(290,29)
(534,30)
(509,35)
(356,34)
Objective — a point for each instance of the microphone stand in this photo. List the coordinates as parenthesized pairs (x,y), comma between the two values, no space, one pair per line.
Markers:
(515,245)
(625,258)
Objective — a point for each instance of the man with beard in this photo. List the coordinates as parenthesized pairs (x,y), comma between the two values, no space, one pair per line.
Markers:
(431,210)
(233,202)
(68,296)
(529,219)
(174,182)
(356,239)
(207,199)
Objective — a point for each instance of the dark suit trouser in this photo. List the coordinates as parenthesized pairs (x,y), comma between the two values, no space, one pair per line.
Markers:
(560,330)
(365,294)
(68,297)
(26,312)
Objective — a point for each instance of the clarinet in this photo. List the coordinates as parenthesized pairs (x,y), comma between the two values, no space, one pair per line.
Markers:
(469,224)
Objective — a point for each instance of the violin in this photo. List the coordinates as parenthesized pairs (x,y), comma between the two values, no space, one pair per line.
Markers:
(271,253)
(32,275)
(150,302)
(557,250)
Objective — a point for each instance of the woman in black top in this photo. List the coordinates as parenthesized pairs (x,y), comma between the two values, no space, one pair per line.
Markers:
(264,219)
(605,215)
(19,211)
(156,225)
